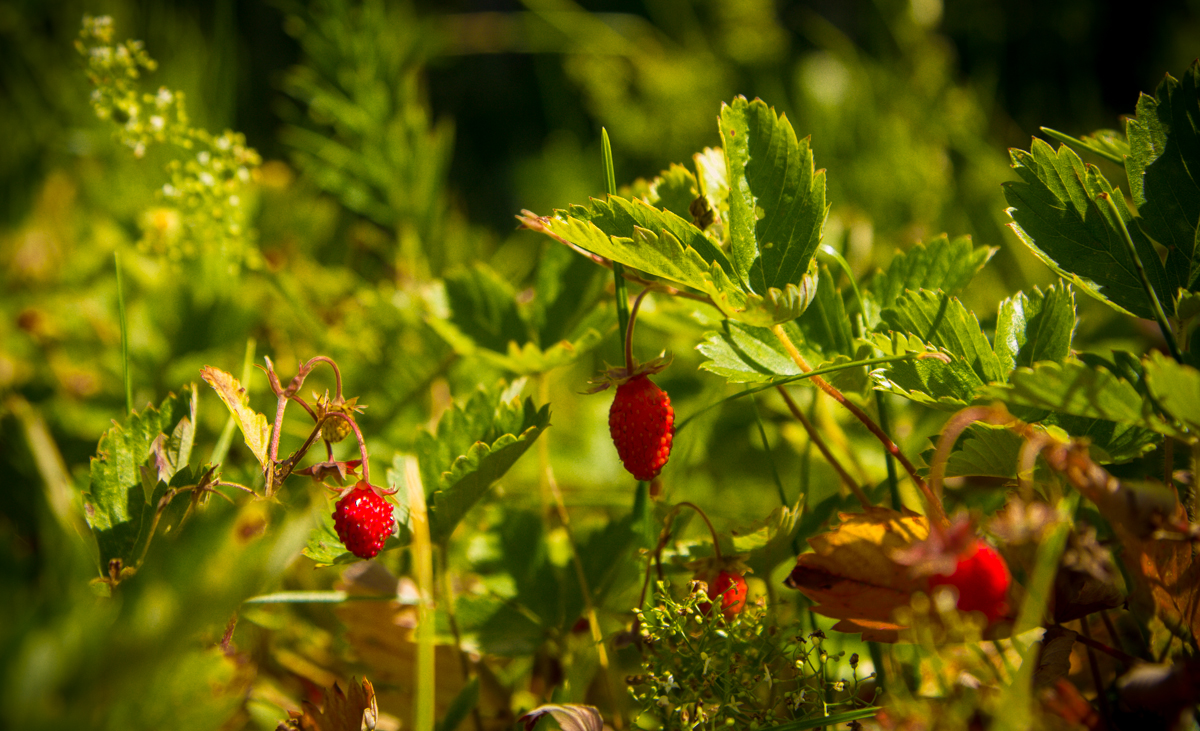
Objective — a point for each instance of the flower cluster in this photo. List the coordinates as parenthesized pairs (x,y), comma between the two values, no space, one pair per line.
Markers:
(702,671)
(204,201)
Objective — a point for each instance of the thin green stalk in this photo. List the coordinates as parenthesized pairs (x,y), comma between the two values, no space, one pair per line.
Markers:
(618,268)
(762,432)
(792,379)
(1159,315)
(124,335)
(422,558)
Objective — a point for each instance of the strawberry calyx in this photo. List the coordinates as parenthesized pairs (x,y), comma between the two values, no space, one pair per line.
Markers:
(616,376)
(362,485)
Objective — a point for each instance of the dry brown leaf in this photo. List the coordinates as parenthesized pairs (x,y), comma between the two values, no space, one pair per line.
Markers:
(254,425)
(851,574)
(342,711)
(1169,571)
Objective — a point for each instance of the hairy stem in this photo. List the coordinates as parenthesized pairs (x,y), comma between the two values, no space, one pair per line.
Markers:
(936,512)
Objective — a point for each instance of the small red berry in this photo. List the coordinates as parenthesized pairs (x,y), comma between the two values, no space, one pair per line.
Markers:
(982,579)
(363,520)
(731,587)
(642,424)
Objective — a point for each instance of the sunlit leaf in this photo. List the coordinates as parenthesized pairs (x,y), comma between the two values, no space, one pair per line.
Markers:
(254,425)
(943,321)
(825,325)
(933,377)
(1055,212)
(746,354)
(1035,326)
(776,201)
(484,307)
(1071,387)
(851,576)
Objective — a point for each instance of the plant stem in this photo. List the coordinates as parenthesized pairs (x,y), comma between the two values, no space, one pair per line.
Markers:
(816,439)
(762,433)
(884,419)
(1159,315)
(936,513)
(632,322)
(712,531)
(422,557)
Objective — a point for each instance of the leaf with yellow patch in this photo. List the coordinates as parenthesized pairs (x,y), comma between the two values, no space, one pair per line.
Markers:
(851,576)
(254,425)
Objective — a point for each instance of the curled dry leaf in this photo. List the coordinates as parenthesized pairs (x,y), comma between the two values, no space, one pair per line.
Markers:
(852,576)
(1167,569)
(342,711)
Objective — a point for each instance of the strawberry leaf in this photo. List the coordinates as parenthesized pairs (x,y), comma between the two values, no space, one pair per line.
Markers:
(1162,166)
(746,354)
(475,445)
(117,505)
(1035,327)
(484,307)
(776,201)
(940,263)
(933,377)
(943,321)
(254,426)
(1055,212)
(1176,388)
(825,325)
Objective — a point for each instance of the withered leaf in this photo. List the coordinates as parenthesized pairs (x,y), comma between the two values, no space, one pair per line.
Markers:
(254,425)
(852,577)
(342,711)
(570,717)
(1168,570)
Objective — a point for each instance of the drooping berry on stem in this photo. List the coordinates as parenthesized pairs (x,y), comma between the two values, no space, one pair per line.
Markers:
(642,424)
(363,520)
(982,579)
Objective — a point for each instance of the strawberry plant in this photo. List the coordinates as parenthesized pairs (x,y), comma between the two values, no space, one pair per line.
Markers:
(942,480)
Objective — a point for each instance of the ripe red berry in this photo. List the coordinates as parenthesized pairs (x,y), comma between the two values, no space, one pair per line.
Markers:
(363,520)
(642,424)
(731,587)
(982,580)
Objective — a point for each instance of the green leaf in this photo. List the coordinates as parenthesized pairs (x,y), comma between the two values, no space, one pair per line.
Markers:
(940,263)
(1074,388)
(117,505)
(776,201)
(1055,212)
(1109,441)
(474,446)
(484,307)
(172,454)
(943,321)
(1162,167)
(746,354)
(1176,388)
(1035,327)
(935,378)
(986,451)
(825,325)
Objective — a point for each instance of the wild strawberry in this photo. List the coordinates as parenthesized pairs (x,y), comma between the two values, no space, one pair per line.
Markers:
(363,520)
(982,580)
(334,428)
(642,424)
(731,587)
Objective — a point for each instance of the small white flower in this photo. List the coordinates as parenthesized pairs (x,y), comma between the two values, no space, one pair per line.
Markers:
(157,123)
(235,201)
(169,190)
(203,157)
(243,175)
(207,179)
(164,97)
(223,142)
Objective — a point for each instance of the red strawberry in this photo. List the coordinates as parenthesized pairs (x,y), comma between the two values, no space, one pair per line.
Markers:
(731,587)
(642,424)
(982,580)
(363,520)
